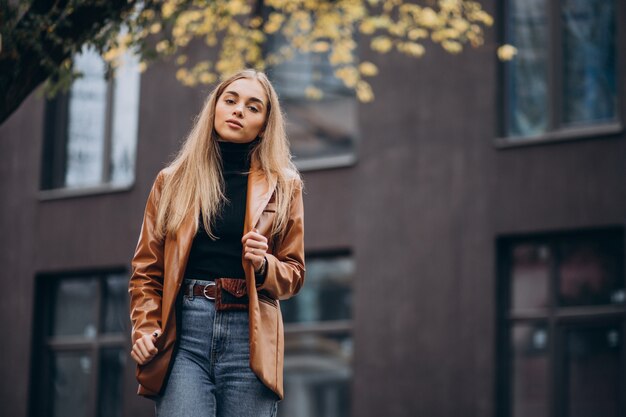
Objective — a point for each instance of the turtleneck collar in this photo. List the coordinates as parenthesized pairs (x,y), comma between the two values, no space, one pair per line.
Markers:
(236,156)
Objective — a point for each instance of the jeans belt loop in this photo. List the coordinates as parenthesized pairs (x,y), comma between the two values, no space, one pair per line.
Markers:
(190,290)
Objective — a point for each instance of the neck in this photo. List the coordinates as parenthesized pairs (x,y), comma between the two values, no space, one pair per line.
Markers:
(236,156)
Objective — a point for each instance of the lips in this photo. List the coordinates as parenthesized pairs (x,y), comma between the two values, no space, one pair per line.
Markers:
(234,123)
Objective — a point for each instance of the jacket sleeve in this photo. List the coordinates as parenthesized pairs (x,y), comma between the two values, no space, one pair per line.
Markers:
(285,271)
(146,282)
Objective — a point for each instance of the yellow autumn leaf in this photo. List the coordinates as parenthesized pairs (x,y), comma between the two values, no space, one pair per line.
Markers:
(207,78)
(368,69)
(161,46)
(452,46)
(381,44)
(507,52)
(364,92)
(155,28)
(313,93)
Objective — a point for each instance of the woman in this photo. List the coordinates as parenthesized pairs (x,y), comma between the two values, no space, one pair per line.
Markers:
(221,242)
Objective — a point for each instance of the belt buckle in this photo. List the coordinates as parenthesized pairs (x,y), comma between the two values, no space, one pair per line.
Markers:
(205,289)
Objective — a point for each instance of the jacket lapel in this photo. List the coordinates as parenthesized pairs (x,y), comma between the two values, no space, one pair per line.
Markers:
(260,190)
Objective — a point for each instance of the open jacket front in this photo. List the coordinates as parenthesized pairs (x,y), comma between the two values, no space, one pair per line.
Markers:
(158,267)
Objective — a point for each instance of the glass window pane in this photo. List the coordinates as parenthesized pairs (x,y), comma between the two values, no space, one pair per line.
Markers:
(529,379)
(75,308)
(87,119)
(125,120)
(327,294)
(112,363)
(317,376)
(70,384)
(589,61)
(115,304)
(593,371)
(530,276)
(590,272)
(324,128)
(527,74)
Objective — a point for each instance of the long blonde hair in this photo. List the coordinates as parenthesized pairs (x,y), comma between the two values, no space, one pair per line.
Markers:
(195,184)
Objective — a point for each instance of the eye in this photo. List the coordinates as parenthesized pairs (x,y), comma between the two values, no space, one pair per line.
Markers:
(229,101)
(253,109)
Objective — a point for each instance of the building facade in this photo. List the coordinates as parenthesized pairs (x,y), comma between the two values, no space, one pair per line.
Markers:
(464,232)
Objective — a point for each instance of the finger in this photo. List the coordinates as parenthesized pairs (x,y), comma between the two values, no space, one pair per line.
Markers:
(149,343)
(257,253)
(247,236)
(136,358)
(138,355)
(256,260)
(252,235)
(261,243)
(143,348)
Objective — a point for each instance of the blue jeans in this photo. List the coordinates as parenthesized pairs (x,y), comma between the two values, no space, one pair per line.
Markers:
(211,373)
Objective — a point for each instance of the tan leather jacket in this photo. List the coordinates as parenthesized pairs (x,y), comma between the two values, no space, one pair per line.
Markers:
(157,273)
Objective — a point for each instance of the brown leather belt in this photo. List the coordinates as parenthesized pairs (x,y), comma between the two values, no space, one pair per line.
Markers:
(227,293)
(200,290)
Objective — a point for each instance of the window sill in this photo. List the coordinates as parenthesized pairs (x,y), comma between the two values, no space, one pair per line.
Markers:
(325,162)
(562,135)
(64,193)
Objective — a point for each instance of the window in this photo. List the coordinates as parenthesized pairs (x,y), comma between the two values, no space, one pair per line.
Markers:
(564,76)
(562,311)
(81,342)
(322,132)
(318,341)
(92,131)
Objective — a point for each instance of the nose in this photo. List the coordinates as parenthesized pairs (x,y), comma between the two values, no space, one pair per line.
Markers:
(238,110)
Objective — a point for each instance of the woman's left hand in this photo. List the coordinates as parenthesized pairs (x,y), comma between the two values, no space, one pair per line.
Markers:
(254,248)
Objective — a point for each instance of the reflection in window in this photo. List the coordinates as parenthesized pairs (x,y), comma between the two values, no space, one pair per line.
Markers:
(81,344)
(92,132)
(589,273)
(318,341)
(320,131)
(527,88)
(592,362)
(529,368)
(562,313)
(326,295)
(530,271)
(565,71)
(589,61)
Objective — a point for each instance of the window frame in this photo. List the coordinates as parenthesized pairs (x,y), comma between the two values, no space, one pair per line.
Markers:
(332,328)
(324,162)
(556,133)
(557,320)
(55,140)
(44,345)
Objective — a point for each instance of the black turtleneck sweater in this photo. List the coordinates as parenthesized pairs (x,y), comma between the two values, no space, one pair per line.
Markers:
(210,259)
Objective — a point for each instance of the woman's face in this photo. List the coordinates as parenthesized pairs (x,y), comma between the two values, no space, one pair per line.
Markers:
(240,111)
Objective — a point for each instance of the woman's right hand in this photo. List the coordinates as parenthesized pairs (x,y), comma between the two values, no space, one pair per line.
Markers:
(143,350)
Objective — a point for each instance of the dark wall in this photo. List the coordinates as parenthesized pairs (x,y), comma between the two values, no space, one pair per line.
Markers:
(433,194)
(421,211)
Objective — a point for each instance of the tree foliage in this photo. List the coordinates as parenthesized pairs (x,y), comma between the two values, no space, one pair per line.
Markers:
(39,38)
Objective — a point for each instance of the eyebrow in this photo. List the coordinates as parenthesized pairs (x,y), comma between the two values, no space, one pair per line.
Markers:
(251,98)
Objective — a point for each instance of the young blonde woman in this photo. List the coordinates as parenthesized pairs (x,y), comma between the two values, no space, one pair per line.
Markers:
(221,242)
